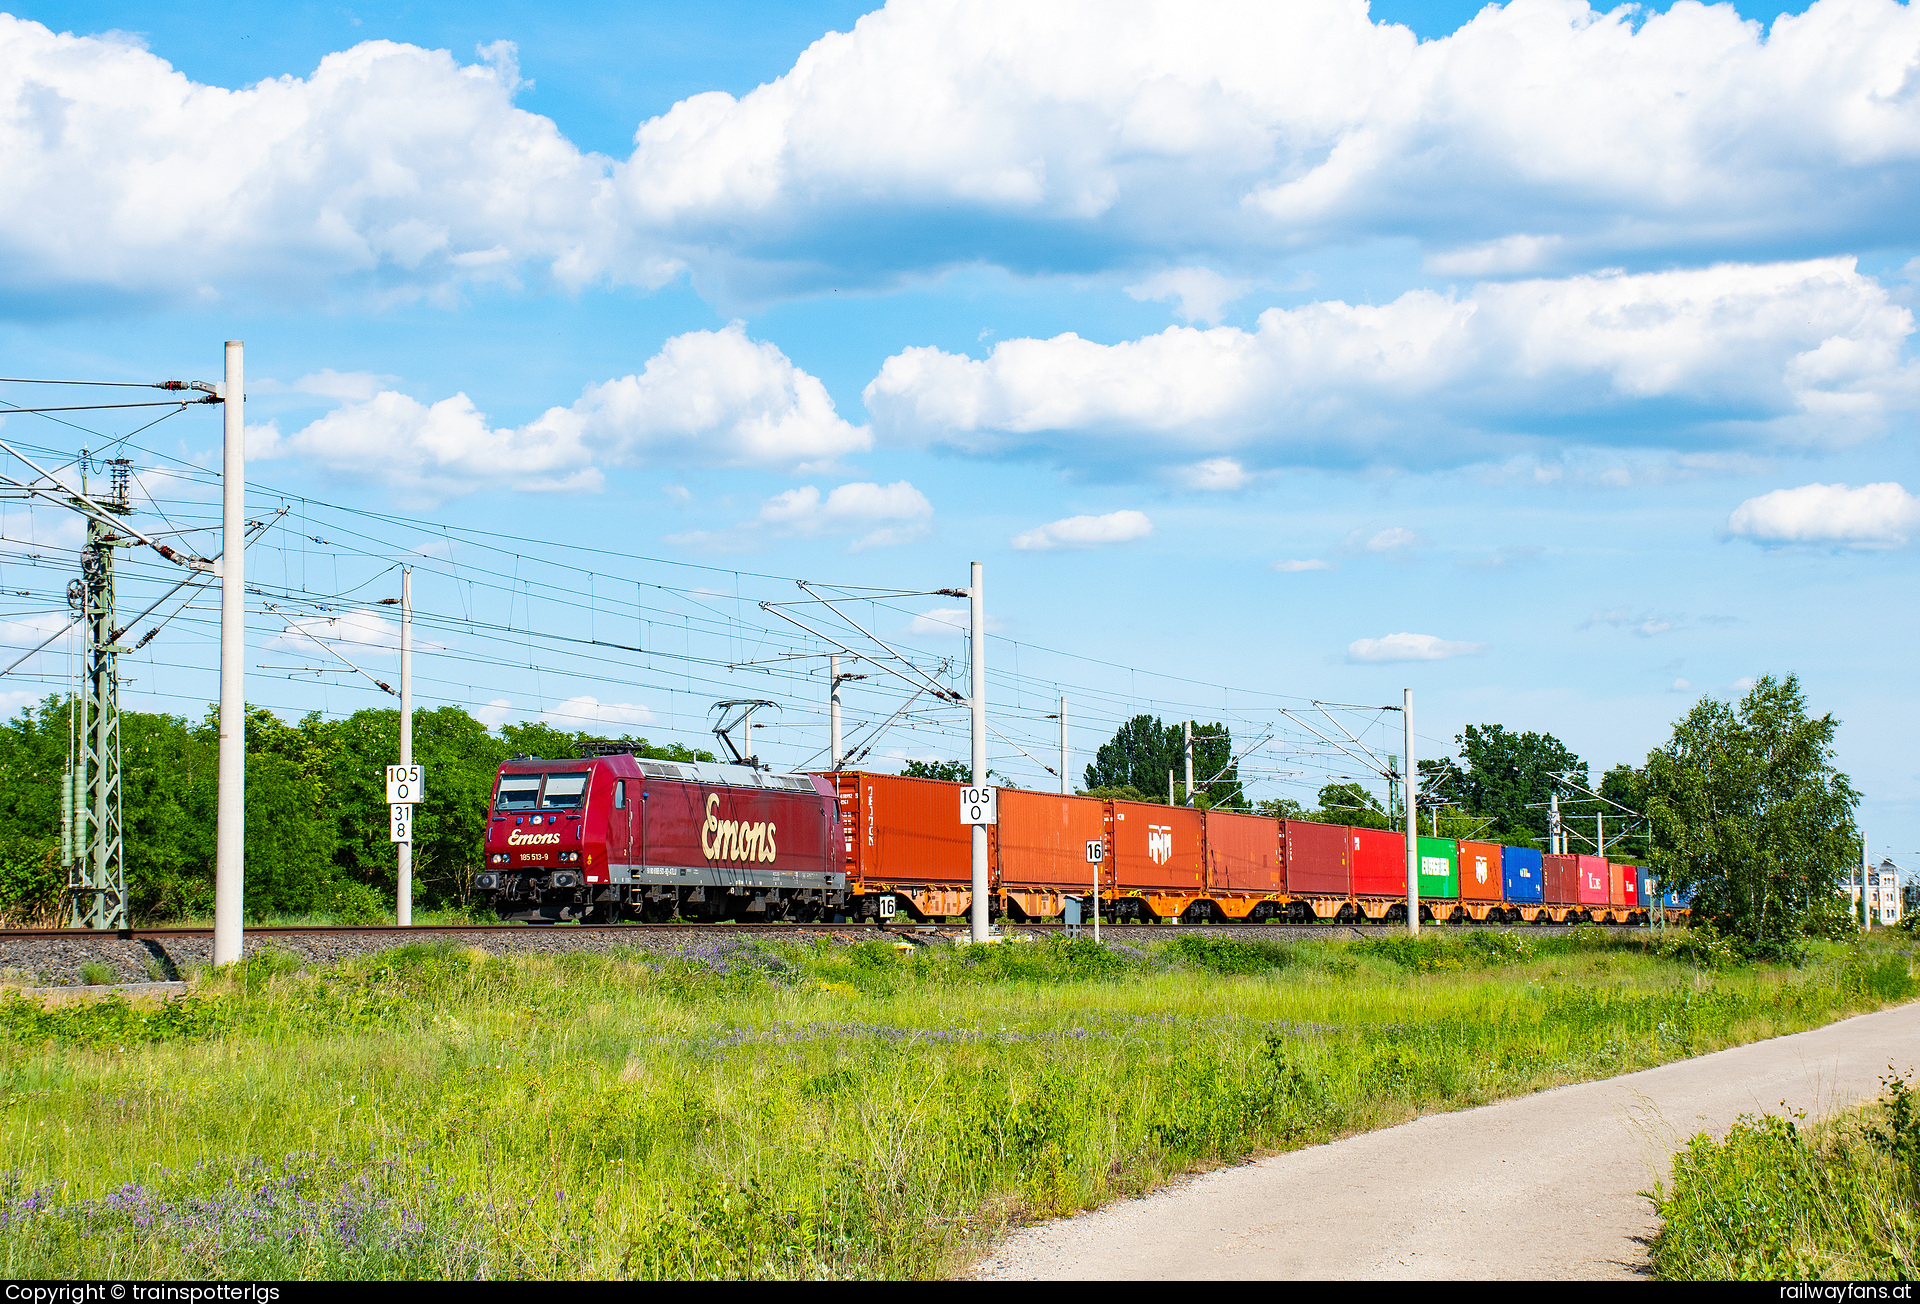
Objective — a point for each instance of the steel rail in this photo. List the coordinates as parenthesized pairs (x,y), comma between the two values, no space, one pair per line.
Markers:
(640,929)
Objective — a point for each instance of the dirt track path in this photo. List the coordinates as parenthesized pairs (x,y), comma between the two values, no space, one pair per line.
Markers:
(1544,1186)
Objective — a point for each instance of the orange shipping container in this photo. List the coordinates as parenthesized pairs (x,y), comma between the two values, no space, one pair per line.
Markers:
(1480,871)
(1042,838)
(904,831)
(1158,847)
(1243,853)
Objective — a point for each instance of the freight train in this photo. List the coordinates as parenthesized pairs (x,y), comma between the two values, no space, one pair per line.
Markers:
(621,837)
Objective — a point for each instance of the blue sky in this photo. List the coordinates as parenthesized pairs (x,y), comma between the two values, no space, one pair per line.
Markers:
(1554,363)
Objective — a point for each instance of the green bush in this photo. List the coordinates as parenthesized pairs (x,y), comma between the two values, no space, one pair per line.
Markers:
(1775,1202)
(355,903)
(1229,955)
(1700,945)
(30,880)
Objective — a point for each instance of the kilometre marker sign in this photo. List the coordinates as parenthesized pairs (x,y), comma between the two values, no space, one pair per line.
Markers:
(979,805)
(406,784)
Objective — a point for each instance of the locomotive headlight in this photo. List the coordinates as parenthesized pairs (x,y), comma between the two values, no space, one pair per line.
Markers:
(485,881)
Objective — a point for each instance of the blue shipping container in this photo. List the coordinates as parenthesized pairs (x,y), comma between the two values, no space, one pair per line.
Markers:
(1520,866)
(1644,897)
(1679,901)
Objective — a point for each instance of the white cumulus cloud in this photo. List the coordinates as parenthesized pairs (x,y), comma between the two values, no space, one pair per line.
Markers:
(1214,475)
(947,622)
(494,713)
(577,713)
(1645,624)
(1197,293)
(1809,352)
(876,515)
(1295,567)
(396,169)
(1409,647)
(1871,516)
(356,633)
(1542,135)
(1085,532)
(714,398)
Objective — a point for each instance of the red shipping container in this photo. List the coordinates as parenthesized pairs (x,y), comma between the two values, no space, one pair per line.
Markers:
(1480,875)
(1041,840)
(1628,877)
(1316,857)
(1377,859)
(1158,847)
(1243,853)
(1561,879)
(1593,881)
(902,830)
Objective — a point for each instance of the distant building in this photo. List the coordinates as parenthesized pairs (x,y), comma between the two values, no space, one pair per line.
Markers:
(1885,900)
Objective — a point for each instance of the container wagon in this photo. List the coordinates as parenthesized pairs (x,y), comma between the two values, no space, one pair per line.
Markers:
(618,837)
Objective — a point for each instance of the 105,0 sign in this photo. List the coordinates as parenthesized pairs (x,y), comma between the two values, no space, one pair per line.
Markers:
(979,805)
(406,785)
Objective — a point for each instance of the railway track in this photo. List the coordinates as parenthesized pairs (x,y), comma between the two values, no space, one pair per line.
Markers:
(750,929)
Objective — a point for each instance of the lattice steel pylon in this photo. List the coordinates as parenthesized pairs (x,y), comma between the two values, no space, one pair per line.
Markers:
(97,875)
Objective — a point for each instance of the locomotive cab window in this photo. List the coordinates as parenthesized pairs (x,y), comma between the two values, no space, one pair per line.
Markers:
(518,792)
(565,791)
(620,794)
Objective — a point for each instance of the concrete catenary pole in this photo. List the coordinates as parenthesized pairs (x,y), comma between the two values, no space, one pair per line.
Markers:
(1187,729)
(230,820)
(1866,912)
(1556,840)
(977,704)
(405,903)
(1413,818)
(833,711)
(1066,786)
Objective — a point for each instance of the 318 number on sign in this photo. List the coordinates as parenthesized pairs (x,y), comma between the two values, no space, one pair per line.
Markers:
(401,829)
(979,805)
(406,784)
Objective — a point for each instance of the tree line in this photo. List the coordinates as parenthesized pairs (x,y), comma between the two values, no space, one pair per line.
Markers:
(317,819)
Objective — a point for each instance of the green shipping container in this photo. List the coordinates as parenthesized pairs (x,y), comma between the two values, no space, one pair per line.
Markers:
(1439,868)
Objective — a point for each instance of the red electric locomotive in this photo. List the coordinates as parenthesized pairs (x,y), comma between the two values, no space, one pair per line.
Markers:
(618,837)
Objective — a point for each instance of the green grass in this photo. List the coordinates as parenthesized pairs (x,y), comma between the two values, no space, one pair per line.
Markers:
(782,1111)
(354,911)
(1776,1202)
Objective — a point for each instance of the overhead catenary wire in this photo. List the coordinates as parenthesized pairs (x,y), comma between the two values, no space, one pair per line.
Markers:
(702,616)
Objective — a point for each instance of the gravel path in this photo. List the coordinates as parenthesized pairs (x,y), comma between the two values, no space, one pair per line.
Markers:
(1543,1187)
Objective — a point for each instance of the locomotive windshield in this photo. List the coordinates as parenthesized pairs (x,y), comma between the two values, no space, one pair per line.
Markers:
(565,791)
(523,791)
(518,792)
